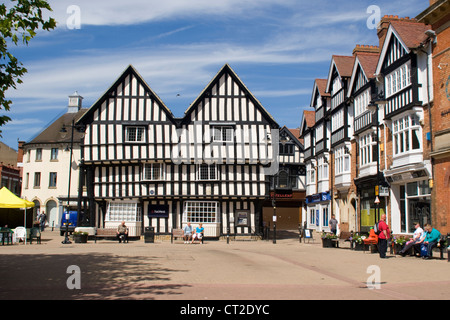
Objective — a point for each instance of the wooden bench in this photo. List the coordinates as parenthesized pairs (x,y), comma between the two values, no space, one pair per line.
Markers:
(440,246)
(105,233)
(177,233)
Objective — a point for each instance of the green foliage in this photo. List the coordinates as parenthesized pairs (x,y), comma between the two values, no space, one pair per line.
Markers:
(19,22)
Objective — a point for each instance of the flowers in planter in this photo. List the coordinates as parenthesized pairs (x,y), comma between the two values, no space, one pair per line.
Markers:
(400,240)
(327,235)
(80,233)
(357,238)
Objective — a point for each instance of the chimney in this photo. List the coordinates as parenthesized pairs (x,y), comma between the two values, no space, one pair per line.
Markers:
(365,49)
(75,103)
(20,151)
(384,23)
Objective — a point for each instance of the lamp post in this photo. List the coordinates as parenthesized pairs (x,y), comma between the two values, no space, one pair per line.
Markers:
(64,130)
(373,108)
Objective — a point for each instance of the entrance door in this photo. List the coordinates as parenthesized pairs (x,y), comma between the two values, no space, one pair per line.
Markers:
(52,213)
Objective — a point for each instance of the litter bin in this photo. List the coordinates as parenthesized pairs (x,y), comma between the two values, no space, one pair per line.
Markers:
(149,235)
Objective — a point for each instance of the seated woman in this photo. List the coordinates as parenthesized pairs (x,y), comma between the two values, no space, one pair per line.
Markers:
(198,234)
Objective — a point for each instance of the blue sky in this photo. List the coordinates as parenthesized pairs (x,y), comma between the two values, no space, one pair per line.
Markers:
(277,48)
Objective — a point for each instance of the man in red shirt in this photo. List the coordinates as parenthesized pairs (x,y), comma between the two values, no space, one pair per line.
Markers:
(383,236)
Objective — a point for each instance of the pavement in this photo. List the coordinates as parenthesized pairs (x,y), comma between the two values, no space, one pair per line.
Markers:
(215,270)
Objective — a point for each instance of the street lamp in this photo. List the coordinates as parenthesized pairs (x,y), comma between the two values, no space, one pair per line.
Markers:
(378,100)
(63,132)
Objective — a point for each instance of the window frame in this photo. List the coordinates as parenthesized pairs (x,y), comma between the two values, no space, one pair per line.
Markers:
(137,128)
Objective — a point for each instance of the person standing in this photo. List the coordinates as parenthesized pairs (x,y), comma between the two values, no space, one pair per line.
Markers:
(42,220)
(383,236)
(333,224)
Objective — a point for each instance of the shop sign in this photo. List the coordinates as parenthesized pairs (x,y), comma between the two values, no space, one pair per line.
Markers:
(158,211)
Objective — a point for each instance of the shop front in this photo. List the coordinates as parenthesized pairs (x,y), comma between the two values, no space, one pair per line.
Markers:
(319,211)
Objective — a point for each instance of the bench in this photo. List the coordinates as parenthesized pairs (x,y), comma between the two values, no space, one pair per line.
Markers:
(105,233)
(440,245)
(177,233)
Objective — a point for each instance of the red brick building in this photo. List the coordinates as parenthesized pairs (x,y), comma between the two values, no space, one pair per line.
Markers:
(437,15)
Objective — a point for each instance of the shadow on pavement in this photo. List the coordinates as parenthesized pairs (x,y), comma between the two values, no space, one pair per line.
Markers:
(101,277)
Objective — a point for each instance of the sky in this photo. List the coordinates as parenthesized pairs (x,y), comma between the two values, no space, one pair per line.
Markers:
(276,47)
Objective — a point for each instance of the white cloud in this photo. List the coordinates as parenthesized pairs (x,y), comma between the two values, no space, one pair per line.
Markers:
(119,12)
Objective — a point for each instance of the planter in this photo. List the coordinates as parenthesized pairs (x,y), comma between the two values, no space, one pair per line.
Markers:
(398,248)
(359,246)
(80,238)
(327,243)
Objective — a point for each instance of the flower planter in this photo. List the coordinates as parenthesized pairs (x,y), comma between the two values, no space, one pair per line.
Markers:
(327,243)
(398,248)
(359,246)
(80,238)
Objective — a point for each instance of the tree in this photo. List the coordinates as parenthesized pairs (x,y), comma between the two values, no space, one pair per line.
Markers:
(19,22)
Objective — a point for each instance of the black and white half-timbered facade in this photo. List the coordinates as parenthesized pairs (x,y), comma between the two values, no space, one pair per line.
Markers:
(405,70)
(363,91)
(287,186)
(318,194)
(146,167)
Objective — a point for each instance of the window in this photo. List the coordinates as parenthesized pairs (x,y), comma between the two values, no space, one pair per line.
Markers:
(153,171)
(406,134)
(286,149)
(52,180)
(38,154)
(222,134)
(361,102)
(319,132)
(54,154)
(37,179)
(123,211)
(310,174)
(207,172)
(325,216)
(337,120)
(415,205)
(201,212)
(135,134)
(398,79)
(367,149)
(27,180)
(322,169)
(342,160)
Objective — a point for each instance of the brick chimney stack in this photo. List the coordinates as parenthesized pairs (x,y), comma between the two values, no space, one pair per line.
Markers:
(365,49)
(383,25)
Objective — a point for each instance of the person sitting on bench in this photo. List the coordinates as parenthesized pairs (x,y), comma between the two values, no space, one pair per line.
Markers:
(122,232)
(198,234)
(188,232)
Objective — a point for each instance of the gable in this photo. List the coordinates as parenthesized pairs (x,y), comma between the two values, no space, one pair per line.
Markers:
(129,99)
(393,50)
(227,99)
(358,80)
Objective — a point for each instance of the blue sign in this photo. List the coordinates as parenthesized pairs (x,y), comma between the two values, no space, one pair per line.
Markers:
(319,197)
